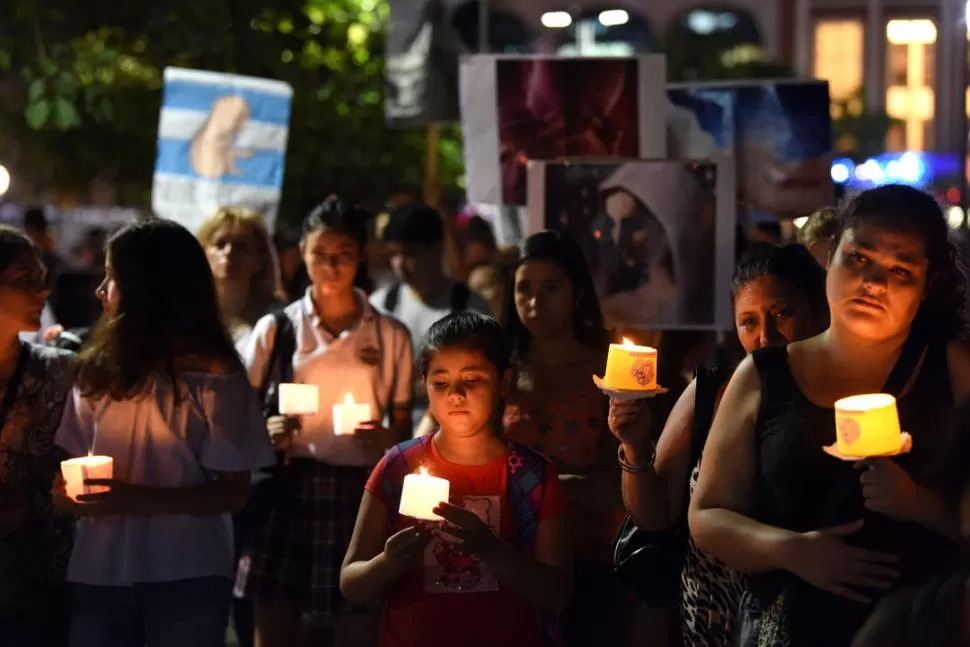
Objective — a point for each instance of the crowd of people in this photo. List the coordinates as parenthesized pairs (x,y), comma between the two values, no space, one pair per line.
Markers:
(705,516)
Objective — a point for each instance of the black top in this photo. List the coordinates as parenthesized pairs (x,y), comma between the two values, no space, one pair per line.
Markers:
(801,488)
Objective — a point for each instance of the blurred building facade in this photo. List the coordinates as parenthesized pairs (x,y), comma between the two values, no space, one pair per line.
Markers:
(906,58)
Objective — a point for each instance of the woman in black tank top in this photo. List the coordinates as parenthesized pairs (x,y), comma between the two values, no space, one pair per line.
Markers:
(820,538)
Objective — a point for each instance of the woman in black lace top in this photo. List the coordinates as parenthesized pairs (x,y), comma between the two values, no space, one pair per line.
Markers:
(822,539)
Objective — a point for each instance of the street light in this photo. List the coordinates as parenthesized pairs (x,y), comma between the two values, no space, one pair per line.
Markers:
(556,19)
(614,17)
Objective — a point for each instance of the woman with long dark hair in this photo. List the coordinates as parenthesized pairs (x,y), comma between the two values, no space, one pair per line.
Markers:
(161,391)
(821,539)
(553,319)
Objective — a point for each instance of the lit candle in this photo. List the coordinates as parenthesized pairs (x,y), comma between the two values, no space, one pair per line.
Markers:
(348,415)
(299,399)
(77,470)
(631,367)
(421,494)
(868,425)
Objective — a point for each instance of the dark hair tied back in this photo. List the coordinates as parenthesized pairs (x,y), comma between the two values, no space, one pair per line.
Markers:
(333,213)
(792,265)
(468,330)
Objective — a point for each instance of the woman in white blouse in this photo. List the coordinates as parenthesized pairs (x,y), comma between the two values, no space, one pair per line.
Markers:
(161,391)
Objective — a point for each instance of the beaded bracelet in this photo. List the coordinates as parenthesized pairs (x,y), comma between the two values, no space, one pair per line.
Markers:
(627,466)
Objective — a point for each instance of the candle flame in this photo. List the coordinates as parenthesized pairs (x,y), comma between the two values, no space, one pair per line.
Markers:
(627,343)
(423,471)
(349,400)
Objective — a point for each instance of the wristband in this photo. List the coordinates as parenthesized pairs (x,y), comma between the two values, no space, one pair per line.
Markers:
(629,467)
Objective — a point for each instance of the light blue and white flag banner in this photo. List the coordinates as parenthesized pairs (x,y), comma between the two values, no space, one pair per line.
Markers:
(221,142)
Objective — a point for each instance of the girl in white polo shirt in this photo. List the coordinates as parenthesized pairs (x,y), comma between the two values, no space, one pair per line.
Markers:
(343,347)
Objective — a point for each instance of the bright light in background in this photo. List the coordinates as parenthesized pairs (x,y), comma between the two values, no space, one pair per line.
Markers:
(906,32)
(706,22)
(4,180)
(614,17)
(556,19)
(800,222)
(954,217)
(841,172)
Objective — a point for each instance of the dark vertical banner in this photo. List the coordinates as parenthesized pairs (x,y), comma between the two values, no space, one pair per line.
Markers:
(422,53)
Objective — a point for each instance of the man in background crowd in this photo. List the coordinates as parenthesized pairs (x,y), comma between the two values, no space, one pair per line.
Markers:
(422,293)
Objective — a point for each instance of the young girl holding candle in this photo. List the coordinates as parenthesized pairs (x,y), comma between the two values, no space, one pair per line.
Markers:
(343,347)
(822,538)
(34,384)
(160,390)
(778,294)
(498,567)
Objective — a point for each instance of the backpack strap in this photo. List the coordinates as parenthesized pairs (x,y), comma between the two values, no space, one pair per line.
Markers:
(401,460)
(525,487)
(392,297)
(459,297)
(279,367)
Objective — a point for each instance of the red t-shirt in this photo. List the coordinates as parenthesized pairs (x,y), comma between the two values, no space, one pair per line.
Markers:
(452,598)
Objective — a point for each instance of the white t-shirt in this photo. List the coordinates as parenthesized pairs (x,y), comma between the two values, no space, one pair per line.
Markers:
(419,316)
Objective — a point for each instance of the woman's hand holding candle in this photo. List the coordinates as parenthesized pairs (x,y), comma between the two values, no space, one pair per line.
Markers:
(629,421)
(281,430)
(888,489)
(472,534)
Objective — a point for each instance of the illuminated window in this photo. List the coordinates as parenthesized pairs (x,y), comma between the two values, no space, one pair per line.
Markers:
(839,56)
(910,79)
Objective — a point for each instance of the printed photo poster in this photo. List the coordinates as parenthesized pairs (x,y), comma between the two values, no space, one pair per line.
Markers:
(658,235)
(780,134)
(421,68)
(221,142)
(519,108)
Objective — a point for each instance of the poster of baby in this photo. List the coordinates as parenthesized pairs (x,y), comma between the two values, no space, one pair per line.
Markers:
(221,141)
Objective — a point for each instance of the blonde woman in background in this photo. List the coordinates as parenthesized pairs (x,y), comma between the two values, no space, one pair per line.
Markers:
(818,234)
(243,261)
(245,269)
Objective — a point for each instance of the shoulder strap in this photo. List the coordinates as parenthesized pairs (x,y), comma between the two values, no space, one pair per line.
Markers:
(459,297)
(279,367)
(392,297)
(525,487)
(401,460)
(708,384)
(909,358)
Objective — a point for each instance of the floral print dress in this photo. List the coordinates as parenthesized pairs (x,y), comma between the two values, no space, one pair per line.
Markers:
(34,543)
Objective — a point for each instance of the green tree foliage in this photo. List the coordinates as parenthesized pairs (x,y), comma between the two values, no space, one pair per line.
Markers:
(83,86)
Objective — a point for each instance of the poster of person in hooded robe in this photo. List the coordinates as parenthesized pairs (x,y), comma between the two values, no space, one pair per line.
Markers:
(659,235)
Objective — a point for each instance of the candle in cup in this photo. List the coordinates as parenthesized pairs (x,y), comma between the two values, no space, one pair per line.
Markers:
(348,415)
(631,367)
(421,494)
(867,425)
(77,470)
(299,399)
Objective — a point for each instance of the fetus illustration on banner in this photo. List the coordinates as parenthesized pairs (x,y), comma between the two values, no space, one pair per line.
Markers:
(447,569)
(213,152)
